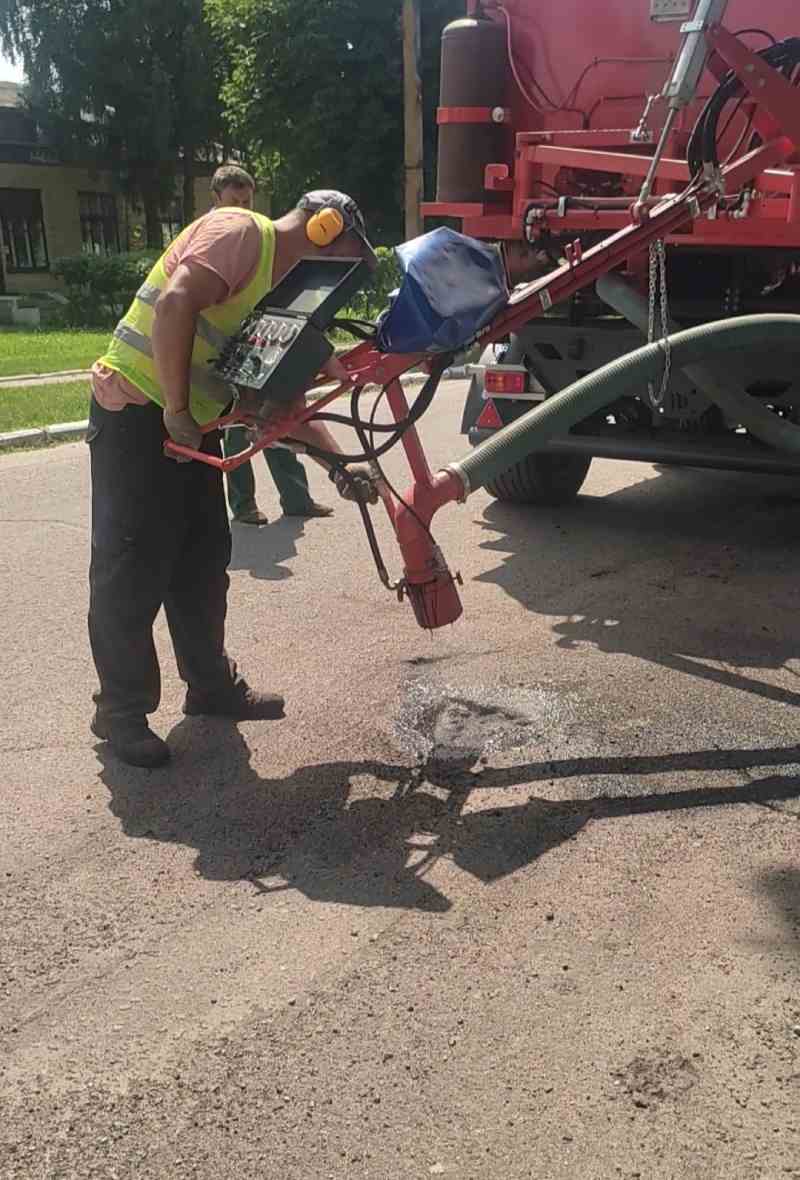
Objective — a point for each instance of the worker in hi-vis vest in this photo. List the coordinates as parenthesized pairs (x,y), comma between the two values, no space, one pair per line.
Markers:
(160,531)
(232,185)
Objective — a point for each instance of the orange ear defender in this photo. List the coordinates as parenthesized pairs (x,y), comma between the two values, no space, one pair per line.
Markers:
(325,227)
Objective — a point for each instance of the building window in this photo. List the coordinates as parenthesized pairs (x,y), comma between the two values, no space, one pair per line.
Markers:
(99,225)
(171,222)
(23,229)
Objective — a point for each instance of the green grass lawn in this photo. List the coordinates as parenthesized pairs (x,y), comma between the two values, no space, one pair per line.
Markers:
(23,352)
(43,405)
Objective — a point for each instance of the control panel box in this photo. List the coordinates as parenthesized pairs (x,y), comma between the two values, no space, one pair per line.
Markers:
(265,347)
(666,10)
(282,346)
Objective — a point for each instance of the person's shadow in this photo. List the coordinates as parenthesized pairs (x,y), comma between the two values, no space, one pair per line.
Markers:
(262,551)
(309,831)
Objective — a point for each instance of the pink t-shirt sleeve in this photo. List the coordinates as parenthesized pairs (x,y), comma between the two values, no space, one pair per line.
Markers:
(225,241)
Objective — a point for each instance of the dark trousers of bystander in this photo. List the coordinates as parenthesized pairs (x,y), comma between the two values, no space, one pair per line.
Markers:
(287,471)
(160,537)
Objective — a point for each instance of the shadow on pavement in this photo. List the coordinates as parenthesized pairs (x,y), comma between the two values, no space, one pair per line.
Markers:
(677,570)
(263,550)
(311,831)
(782,886)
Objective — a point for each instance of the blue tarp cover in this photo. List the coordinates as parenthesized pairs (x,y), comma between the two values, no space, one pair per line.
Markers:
(452,287)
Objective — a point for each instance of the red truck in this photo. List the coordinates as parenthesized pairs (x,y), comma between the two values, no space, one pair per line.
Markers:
(550,118)
(639,163)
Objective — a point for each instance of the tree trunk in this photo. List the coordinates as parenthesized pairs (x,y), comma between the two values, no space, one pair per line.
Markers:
(414,153)
(2,263)
(153,222)
(188,185)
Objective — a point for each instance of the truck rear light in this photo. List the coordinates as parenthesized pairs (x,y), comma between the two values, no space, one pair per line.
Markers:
(505,380)
(489,419)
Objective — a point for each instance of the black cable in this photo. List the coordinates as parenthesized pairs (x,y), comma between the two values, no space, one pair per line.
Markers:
(421,404)
(425,528)
(552,187)
(373,426)
(757,33)
(396,429)
(343,420)
(604,61)
(371,454)
(737,147)
(730,119)
(784,57)
(392,489)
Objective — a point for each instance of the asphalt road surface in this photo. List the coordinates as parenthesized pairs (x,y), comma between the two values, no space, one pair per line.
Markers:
(518,899)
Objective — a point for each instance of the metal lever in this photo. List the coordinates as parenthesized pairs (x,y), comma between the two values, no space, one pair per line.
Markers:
(691,61)
(682,85)
(380,565)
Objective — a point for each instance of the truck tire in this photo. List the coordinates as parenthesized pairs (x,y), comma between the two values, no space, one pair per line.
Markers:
(546,481)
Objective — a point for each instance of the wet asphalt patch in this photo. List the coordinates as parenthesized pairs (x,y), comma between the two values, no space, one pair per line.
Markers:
(457,728)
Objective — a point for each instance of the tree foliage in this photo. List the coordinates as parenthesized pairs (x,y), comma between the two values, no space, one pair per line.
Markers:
(316,91)
(134,85)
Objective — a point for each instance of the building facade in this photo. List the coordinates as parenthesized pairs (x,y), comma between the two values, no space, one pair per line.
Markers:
(50,210)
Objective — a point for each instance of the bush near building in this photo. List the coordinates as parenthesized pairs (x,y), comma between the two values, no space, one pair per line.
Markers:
(100,287)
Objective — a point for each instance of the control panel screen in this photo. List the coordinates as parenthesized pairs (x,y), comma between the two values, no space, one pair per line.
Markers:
(317,287)
(312,298)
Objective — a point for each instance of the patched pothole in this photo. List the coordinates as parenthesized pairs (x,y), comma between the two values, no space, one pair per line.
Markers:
(453,728)
(652,1080)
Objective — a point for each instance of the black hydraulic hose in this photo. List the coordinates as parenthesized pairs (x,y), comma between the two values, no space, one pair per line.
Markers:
(398,429)
(784,57)
(625,375)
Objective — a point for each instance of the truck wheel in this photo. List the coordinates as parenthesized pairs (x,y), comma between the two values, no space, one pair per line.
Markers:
(543,480)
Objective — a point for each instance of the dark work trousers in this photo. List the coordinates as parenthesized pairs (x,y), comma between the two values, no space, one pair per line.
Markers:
(160,537)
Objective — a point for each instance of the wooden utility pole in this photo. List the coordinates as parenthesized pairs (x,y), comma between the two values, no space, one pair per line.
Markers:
(414,153)
(2,262)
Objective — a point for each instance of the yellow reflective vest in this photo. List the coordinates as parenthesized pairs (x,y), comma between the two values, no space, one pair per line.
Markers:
(131,349)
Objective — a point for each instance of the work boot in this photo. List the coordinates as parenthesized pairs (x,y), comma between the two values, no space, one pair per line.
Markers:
(132,740)
(312,510)
(252,516)
(240,703)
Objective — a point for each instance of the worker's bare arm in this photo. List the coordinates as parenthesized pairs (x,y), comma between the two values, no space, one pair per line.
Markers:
(189,291)
(316,434)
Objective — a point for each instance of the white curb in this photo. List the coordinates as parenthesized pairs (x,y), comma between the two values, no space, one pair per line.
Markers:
(67,431)
(29,378)
(23,438)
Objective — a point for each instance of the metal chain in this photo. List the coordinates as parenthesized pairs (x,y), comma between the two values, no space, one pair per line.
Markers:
(658,279)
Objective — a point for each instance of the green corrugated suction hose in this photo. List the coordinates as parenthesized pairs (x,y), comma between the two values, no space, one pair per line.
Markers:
(721,386)
(628,374)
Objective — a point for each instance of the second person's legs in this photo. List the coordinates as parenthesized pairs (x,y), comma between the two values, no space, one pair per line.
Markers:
(241,483)
(290,479)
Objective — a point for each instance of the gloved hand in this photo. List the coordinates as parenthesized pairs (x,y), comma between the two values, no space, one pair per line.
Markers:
(356,484)
(182,429)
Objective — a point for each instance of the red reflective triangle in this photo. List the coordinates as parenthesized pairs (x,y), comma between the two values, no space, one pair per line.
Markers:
(489,419)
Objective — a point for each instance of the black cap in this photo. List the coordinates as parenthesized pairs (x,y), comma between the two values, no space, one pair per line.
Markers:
(331,198)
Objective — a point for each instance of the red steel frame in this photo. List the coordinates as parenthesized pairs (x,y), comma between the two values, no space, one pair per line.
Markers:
(427,580)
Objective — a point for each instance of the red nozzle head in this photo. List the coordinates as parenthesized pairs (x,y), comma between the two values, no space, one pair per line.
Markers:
(436,603)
